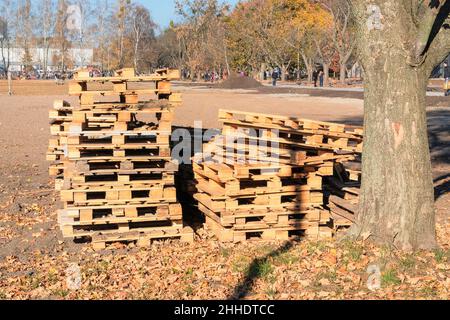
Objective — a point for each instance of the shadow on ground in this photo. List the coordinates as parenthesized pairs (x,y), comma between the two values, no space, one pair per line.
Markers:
(245,287)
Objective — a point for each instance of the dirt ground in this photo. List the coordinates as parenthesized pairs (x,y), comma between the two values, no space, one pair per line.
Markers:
(34,257)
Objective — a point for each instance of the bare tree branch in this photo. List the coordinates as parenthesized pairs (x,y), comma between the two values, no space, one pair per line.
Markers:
(428,11)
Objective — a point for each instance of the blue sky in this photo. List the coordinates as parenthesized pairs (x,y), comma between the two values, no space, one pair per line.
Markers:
(163,11)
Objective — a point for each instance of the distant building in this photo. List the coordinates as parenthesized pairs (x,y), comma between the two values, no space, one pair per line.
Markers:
(78,58)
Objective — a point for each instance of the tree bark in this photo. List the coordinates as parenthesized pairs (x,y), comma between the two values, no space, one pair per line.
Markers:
(309,66)
(326,76)
(283,73)
(342,72)
(397,195)
(397,199)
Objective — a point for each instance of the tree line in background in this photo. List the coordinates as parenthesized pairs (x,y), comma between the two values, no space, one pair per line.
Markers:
(295,36)
(121,33)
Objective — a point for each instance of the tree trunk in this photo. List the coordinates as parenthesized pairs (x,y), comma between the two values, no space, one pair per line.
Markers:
(342,72)
(283,73)
(397,195)
(397,198)
(326,76)
(309,67)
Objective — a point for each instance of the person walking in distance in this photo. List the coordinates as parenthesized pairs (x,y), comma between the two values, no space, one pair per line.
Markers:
(315,77)
(321,77)
(447,79)
(274,77)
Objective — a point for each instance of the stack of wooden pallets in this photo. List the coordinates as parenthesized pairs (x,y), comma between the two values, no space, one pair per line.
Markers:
(111,156)
(342,194)
(263,176)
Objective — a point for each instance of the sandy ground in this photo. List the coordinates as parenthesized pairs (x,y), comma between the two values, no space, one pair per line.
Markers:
(27,199)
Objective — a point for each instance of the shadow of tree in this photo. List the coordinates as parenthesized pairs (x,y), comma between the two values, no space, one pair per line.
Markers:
(254,271)
(442,186)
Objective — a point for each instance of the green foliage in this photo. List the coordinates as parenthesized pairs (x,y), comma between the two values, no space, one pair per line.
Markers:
(260,269)
(389,277)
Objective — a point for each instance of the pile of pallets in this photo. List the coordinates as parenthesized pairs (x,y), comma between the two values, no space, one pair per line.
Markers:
(112,161)
(262,178)
(342,194)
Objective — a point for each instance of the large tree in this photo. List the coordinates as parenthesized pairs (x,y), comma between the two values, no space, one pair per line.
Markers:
(142,37)
(399,44)
(342,36)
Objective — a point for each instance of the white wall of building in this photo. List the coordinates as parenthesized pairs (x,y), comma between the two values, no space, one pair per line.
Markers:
(80,57)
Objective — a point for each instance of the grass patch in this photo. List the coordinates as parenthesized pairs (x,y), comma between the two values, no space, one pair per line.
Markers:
(240,264)
(314,247)
(225,252)
(353,250)
(408,262)
(189,291)
(52,276)
(389,278)
(260,269)
(331,276)
(189,272)
(428,292)
(271,293)
(60,293)
(286,258)
(440,255)
(33,281)
(103,266)
(265,249)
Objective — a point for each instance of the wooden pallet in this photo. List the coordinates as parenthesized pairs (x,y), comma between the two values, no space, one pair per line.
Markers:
(102,115)
(128,75)
(231,171)
(304,199)
(241,220)
(283,122)
(114,172)
(102,129)
(143,238)
(134,179)
(170,100)
(295,139)
(118,195)
(238,152)
(112,166)
(251,187)
(271,234)
(127,152)
(125,226)
(119,215)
